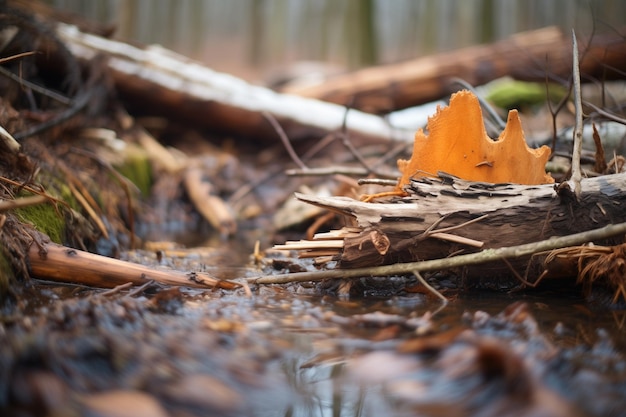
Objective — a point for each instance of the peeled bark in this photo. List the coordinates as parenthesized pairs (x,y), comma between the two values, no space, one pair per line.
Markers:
(417,227)
(60,263)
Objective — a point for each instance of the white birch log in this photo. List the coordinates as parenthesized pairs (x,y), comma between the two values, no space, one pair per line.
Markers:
(159,79)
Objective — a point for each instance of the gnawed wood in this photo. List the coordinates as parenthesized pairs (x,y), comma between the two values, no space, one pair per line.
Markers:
(158,81)
(60,263)
(513,215)
(457,142)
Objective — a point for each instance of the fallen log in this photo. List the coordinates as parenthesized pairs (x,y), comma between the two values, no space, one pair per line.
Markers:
(456,261)
(153,80)
(447,216)
(530,56)
(54,262)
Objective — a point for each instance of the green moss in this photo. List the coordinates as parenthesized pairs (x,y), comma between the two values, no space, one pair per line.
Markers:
(44,218)
(137,168)
(65,195)
(512,94)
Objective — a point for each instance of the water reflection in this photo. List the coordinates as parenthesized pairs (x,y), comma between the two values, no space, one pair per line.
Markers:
(540,343)
(302,355)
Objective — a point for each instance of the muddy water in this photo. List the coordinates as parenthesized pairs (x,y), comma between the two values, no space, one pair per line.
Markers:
(297,351)
(554,346)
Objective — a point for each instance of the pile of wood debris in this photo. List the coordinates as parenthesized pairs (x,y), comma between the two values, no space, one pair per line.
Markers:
(71,141)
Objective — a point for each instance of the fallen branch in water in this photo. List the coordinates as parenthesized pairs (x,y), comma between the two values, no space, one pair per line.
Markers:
(485,256)
(63,264)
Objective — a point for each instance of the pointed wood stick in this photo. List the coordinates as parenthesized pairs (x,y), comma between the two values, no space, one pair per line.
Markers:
(64,264)
(578,125)
(8,140)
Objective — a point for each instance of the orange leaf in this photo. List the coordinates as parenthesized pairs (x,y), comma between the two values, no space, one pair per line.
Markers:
(458,144)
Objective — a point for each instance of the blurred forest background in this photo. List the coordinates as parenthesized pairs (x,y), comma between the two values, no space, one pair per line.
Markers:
(255,39)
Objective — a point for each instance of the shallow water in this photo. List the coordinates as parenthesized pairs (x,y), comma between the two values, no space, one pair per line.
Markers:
(359,370)
(296,351)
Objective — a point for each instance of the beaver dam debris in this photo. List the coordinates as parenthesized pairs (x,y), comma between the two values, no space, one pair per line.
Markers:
(460,192)
(138,188)
(439,216)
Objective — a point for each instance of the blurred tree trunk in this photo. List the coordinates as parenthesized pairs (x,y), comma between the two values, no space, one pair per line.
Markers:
(365,33)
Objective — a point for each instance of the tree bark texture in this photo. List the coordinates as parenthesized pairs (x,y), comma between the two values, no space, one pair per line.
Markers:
(405,230)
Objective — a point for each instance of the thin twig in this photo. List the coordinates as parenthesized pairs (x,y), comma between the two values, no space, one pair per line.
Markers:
(331,170)
(392,153)
(378,181)
(523,279)
(6,205)
(578,125)
(430,287)
(250,186)
(138,290)
(116,289)
(77,104)
(345,139)
(319,145)
(456,226)
(83,200)
(124,183)
(484,256)
(554,113)
(16,56)
(443,235)
(283,137)
(38,190)
(611,116)
(449,237)
(35,87)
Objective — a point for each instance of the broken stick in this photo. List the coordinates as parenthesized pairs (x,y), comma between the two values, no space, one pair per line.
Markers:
(60,263)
